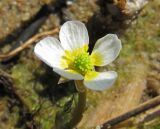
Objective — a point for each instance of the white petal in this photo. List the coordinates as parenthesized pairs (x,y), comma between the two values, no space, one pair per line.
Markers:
(106,49)
(63,80)
(69,74)
(50,51)
(101,81)
(73,34)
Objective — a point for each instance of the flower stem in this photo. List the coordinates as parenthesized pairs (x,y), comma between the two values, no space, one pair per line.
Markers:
(80,107)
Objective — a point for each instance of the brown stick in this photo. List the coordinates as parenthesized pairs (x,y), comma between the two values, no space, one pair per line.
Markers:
(141,108)
(150,116)
(28,42)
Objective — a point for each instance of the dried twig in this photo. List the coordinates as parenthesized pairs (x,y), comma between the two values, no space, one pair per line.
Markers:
(28,43)
(141,108)
(150,116)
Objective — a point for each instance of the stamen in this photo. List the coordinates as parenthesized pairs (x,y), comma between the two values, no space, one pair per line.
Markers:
(83,63)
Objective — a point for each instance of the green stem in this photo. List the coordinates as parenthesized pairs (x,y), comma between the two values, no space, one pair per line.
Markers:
(80,107)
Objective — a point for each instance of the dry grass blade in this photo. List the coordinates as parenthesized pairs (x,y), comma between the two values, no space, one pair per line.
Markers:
(28,43)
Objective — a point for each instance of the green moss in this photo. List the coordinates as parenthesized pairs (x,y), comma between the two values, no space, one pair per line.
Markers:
(8,118)
(31,84)
(28,90)
(23,76)
(155,127)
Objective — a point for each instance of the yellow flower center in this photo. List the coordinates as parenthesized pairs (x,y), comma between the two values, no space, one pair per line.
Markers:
(83,63)
(78,60)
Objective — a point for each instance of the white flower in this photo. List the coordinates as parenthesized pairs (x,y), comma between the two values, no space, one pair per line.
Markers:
(69,57)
